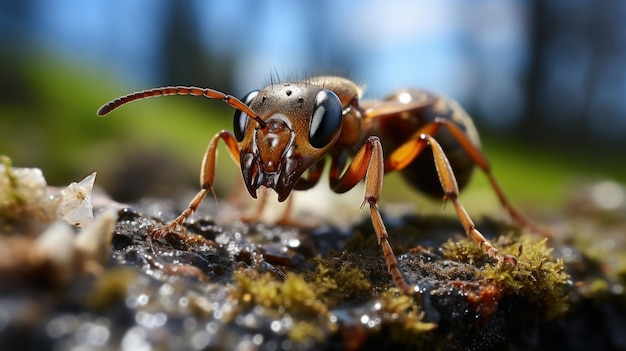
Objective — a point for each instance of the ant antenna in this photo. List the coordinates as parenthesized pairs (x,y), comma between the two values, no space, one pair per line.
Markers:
(181,90)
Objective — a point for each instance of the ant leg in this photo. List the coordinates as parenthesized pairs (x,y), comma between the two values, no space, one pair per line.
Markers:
(368,164)
(479,159)
(207,175)
(407,152)
(254,217)
(451,192)
(284,219)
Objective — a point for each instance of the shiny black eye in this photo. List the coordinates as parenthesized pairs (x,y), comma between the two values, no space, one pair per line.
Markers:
(240,120)
(326,119)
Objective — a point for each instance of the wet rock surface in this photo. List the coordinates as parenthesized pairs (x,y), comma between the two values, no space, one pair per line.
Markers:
(221,283)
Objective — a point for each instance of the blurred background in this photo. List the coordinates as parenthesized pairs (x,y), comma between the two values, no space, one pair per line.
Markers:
(545,81)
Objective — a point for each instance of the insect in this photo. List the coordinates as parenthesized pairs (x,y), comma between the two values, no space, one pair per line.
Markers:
(286,129)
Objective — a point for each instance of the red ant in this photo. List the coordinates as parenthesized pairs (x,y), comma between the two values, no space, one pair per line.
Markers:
(283,130)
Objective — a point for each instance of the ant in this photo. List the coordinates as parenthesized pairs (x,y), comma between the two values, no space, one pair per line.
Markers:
(285,129)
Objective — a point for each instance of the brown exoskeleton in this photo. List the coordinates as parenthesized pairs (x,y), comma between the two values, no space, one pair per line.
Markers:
(285,129)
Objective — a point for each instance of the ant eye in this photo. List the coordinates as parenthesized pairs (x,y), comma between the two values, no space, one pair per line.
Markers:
(326,119)
(240,120)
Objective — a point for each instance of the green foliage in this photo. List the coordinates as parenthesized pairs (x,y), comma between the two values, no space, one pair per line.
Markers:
(48,120)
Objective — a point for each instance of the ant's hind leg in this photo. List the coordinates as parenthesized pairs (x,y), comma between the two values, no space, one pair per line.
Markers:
(481,161)
(451,192)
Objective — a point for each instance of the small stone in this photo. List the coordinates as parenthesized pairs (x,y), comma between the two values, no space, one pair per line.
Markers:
(95,241)
(55,244)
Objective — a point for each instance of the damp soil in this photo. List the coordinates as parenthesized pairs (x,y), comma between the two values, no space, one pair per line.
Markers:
(219,283)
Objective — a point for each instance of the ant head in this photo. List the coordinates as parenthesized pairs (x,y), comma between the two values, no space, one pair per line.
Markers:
(302,122)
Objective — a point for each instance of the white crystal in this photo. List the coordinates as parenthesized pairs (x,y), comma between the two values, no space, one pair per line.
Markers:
(75,205)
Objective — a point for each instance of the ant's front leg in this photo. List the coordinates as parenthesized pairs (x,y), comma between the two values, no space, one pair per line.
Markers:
(368,164)
(207,176)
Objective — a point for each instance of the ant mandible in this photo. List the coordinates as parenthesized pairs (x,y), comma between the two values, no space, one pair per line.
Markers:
(285,129)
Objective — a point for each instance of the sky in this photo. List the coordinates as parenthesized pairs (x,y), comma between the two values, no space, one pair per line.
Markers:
(389,43)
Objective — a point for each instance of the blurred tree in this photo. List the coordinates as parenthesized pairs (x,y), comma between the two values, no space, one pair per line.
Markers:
(577,79)
(185,58)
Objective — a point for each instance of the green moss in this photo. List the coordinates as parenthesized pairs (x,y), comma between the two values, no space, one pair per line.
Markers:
(110,289)
(597,288)
(336,285)
(403,316)
(12,202)
(310,297)
(536,277)
(302,331)
(463,250)
(294,294)
(309,293)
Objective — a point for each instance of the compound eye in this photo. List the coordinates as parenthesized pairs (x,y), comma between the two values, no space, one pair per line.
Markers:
(326,119)
(240,120)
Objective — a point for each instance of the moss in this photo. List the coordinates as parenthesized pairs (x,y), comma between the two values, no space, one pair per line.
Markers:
(334,285)
(597,288)
(309,293)
(302,331)
(463,250)
(404,317)
(15,200)
(314,294)
(362,243)
(6,162)
(110,289)
(294,294)
(536,277)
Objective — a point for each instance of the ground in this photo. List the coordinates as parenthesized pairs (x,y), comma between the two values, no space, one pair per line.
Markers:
(222,283)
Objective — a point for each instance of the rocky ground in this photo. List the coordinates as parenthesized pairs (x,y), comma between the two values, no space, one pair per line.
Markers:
(69,280)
